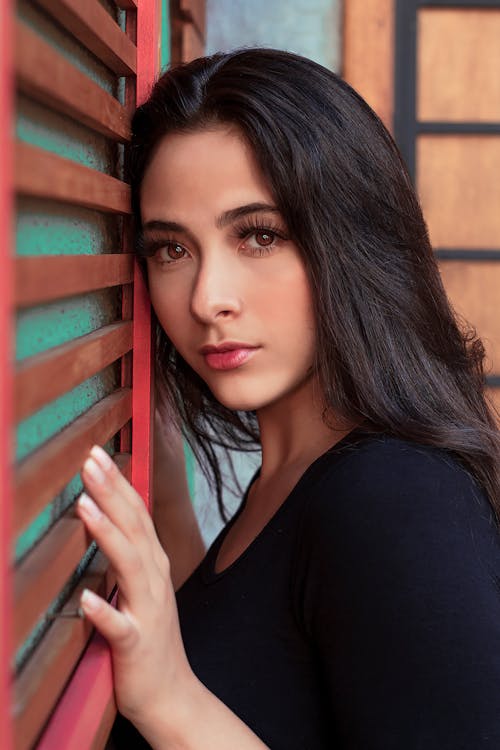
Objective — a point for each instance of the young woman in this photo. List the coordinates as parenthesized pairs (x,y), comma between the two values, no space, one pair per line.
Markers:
(353,601)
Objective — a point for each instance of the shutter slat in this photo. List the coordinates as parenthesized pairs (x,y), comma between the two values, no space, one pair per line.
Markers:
(92,26)
(41,174)
(47,278)
(43,573)
(43,377)
(45,75)
(42,680)
(47,470)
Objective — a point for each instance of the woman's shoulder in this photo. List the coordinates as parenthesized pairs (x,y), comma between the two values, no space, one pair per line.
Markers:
(382,460)
(377,478)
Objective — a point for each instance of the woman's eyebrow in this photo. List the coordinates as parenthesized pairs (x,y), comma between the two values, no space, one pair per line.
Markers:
(166,226)
(236,213)
(158,225)
(223,220)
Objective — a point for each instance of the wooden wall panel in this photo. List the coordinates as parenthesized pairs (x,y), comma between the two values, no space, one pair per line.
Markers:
(459,188)
(188,18)
(473,289)
(368,54)
(434,73)
(458,64)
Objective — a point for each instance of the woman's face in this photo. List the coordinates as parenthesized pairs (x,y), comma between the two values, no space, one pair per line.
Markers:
(223,273)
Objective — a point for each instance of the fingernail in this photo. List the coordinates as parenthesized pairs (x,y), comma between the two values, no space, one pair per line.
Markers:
(101,456)
(92,468)
(89,601)
(88,506)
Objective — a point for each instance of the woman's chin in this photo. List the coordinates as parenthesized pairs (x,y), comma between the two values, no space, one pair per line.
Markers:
(237,404)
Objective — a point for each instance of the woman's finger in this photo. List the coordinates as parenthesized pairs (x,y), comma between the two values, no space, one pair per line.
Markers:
(116,627)
(116,496)
(123,555)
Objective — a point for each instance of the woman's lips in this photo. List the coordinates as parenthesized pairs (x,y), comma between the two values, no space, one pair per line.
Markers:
(229,359)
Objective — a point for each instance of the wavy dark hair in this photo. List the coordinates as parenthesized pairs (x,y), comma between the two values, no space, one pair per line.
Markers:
(391,352)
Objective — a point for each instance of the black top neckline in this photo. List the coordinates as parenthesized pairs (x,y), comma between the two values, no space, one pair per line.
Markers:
(207,568)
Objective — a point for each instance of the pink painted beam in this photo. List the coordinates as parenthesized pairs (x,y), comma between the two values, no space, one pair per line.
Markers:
(85,712)
(6,375)
(142,390)
(148,63)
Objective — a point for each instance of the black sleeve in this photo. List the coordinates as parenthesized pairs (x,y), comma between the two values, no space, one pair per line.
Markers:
(400,597)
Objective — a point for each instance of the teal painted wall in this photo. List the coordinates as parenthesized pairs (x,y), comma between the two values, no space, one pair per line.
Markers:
(48,228)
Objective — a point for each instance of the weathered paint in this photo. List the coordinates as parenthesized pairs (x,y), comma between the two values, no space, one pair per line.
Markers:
(6,172)
(73,725)
(66,44)
(29,646)
(46,423)
(39,328)
(165,35)
(63,136)
(48,228)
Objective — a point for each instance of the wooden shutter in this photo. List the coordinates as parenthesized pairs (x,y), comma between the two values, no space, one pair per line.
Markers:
(75,345)
(431,69)
(188,29)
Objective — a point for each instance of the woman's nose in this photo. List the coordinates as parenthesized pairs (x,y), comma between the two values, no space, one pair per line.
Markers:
(215,292)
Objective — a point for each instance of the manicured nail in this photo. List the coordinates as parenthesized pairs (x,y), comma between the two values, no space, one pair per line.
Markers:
(89,601)
(101,457)
(88,506)
(93,470)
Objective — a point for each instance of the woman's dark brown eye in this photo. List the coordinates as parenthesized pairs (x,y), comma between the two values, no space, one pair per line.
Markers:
(175,251)
(264,238)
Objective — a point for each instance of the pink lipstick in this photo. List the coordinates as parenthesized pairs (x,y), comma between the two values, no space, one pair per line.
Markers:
(228,355)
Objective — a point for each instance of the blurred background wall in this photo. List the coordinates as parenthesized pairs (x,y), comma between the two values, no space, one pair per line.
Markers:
(308,27)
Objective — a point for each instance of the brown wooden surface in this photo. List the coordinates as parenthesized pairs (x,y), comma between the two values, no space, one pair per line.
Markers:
(45,570)
(458,64)
(192,44)
(194,11)
(473,289)
(94,27)
(47,470)
(126,4)
(493,395)
(45,376)
(459,187)
(368,53)
(42,680)
(40,174)
(40,279)
(43,573)
(48,77)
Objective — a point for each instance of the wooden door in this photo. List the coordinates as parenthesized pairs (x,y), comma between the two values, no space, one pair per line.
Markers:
(431,69)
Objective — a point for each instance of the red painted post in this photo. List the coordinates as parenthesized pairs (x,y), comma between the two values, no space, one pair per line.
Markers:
(148,63)
(82,708)
(6,359)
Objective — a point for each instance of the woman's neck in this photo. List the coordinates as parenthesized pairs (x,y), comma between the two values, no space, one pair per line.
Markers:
(293,432)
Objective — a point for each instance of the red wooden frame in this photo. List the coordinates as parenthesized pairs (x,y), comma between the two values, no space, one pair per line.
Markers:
(6,374)
(85,705)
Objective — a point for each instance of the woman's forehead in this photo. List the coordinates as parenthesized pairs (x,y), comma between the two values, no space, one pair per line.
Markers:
(211,168)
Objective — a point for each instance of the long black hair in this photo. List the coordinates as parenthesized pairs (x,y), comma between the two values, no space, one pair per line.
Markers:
(391,353)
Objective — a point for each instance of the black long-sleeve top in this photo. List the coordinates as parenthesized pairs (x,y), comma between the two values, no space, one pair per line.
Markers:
(366,614)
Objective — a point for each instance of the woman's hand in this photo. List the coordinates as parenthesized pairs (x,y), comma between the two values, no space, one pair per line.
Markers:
(149,662)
